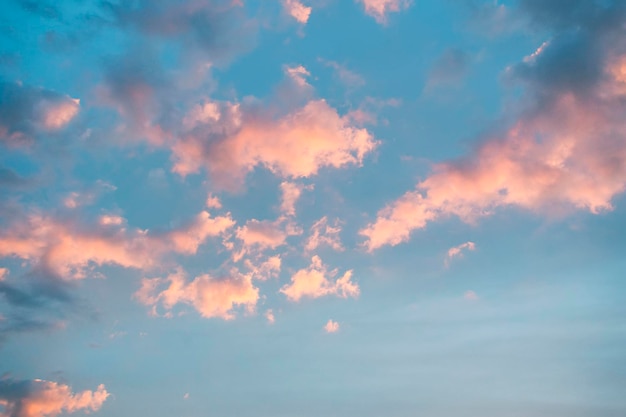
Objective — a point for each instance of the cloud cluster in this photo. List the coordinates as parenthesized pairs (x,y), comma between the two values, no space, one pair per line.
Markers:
(211,297)
(297,10)
(379,9)
(40,398)
(567,149)
(68,250)
(316,281)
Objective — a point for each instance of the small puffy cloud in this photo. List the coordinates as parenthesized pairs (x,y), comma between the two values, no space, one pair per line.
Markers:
(27,112)
(4,272)
(186,396)
(211,297)
(189,237)
(457,251)
(291,192)
(269,268)
(257,236)
(316,281)
(298,75)
(379,9)
(324,234)
(213,202)
(269,316)
(331,326)
(40,398)
(297,10)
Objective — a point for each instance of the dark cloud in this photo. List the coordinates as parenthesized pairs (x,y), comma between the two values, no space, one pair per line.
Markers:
(217,27)
(28,112)
(11,179)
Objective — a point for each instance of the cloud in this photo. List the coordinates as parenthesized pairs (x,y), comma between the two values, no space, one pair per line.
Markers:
(237,137)
(211,297)
(27,113)
(264,234)
(379,9)
(323,234)
(331,327)
(297,10)
(565,151)
(270,268)
(217,28)
(457,251)
(291,192)
(40,398)
(269,315)
(69,250)
(316,281)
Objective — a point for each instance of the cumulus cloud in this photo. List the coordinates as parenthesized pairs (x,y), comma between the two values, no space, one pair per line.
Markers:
(40,398)
(296,145)
(291,192)
(331,327)
(28,112)
(211,297)
(269,315)
(297,10)
(324,234)
(263,270)
(457,251)
(68,250)
(316,281)
(379,9)
(565,151)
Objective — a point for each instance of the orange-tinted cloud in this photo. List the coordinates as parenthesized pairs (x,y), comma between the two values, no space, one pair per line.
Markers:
(297,144)
(567,152)
(211,297)
(316,281)
(331,326)
(39,398)
(379,9)
(297,10)
(457,251)
(324,234)
(70,251)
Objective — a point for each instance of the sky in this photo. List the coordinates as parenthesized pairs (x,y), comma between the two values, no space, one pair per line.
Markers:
(302,208)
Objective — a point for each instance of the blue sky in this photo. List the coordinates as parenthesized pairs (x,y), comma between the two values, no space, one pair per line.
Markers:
(312,207)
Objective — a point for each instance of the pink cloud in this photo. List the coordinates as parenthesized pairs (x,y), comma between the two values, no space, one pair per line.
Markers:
(71,251)
(57,114)
(269,315)
(297,10)
(291,193)
(323,234)
(316,281)
(270,268)
(295,145)
(211,297)
(567,154)
(39,398)
(331,327)
(379,9)
(457,251)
